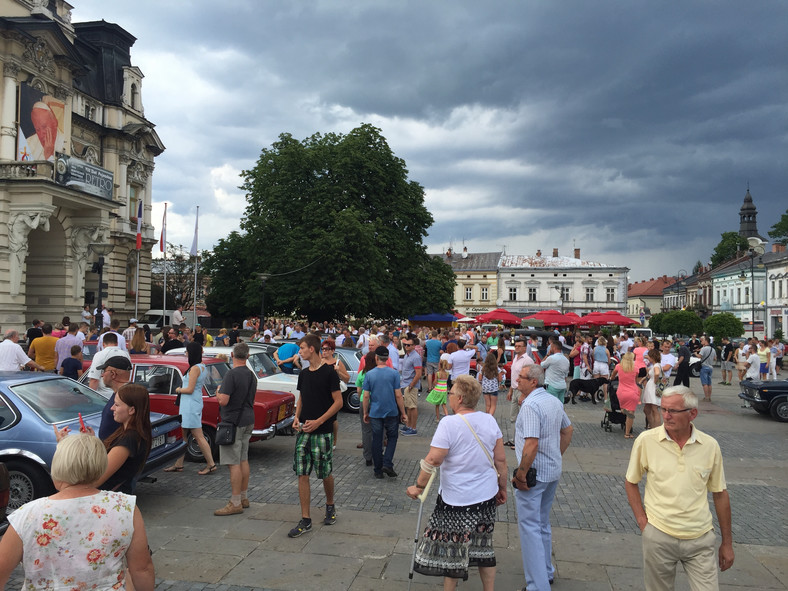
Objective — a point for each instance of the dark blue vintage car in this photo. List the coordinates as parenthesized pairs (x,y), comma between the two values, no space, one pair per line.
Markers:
(30,403)
(767,397)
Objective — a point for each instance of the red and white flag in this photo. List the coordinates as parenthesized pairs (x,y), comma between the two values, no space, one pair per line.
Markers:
(139,225)
(163,239)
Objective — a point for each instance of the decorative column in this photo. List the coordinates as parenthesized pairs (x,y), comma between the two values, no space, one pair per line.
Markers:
(22,220)
(81,239)
(8,115)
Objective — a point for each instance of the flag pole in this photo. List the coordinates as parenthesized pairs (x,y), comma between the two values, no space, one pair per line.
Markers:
(195,254)
(163,248)
(139,248)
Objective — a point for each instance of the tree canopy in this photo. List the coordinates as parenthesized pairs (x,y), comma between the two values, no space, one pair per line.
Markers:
(338,225)
(723,324)
(180,278)
(727,248)
(779,231)
(676,322)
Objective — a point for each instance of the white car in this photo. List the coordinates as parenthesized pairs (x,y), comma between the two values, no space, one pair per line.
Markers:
(269,376)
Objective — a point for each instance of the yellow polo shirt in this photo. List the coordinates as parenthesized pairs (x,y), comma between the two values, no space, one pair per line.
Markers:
(678,480)
(44,348)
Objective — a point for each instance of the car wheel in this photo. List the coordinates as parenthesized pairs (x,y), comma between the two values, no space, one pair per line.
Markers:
(193,451)
(352,401)
(28,482)
(695,370)
(780,410)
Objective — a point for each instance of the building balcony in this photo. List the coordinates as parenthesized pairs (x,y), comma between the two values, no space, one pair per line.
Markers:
(29,170)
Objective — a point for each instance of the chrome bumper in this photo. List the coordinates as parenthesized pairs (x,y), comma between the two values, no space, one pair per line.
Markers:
(270,432)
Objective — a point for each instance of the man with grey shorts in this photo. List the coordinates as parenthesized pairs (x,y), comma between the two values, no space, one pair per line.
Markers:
(236,399)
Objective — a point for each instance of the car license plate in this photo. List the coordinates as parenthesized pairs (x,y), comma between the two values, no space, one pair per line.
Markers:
(158,441)
(282,412)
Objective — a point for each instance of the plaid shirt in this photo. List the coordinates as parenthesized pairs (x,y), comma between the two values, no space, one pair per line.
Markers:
(542,416)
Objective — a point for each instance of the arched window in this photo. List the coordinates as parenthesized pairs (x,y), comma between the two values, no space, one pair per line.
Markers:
(134,97)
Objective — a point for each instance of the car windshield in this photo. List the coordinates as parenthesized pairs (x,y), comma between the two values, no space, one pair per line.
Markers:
(262,365)
(60,400)
(88,350)
(214,374)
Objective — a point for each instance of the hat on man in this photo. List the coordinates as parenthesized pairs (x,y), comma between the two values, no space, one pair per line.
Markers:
(117,362)
(382,352)
(133,321)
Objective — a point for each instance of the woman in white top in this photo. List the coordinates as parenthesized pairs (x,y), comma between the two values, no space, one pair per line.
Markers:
(650,399)
(468,447)
(79,537)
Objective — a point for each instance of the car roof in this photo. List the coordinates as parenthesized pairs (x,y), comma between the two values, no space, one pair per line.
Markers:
(176,360)
(16,377)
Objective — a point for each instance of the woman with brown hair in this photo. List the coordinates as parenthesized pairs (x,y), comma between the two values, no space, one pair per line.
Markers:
(490,378)
(139,346)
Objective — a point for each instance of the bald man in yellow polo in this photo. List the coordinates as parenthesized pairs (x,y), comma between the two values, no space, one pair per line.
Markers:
(682,464)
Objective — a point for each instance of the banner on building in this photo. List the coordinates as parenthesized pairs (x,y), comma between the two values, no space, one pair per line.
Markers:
(77,174)
(41,132)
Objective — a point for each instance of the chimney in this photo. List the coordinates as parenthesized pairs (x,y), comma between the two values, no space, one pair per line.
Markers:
(555,252)
(778,247)
(448,252)
(465,252)
(577,253)
(538,253)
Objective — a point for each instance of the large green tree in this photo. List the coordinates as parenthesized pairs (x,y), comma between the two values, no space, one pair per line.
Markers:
(235,288)
(727,248)
(681,322)
(339,226)
(779,231)
(723,324)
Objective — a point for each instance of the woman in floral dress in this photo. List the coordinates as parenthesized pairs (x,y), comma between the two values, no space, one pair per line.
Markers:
(80,537)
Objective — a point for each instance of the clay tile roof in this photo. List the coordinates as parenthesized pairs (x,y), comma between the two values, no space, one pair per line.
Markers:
(651,287)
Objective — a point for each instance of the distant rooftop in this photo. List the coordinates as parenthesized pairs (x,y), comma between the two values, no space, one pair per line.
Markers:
(470,261)
(516,261)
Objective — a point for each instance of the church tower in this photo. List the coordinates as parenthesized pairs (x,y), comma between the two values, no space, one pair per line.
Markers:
(748,218)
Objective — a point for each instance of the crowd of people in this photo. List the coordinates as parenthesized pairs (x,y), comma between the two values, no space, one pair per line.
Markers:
(399,364)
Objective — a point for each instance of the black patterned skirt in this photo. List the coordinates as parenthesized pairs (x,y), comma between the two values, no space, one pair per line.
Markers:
(456,538)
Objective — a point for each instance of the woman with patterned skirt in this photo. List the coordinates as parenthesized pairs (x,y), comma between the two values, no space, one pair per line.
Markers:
(468,447)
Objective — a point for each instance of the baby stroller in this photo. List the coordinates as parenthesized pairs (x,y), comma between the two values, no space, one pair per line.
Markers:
(613,416)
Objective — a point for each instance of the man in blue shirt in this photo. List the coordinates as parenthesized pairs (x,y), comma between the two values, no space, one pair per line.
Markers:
(286,356)
(385,340)
(411,379)
(433,347)
(383,407)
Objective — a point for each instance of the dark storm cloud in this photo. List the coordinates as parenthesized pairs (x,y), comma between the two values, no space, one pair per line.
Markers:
(628,126)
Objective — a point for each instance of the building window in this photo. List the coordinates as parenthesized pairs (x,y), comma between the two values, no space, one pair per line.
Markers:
(610,294)
(564,294)
(779,289)
(746,295)
(589,294)
(738,295)
(512,294)
(485,293)
(469,293)
(531,294)
(133,202)
(773,290)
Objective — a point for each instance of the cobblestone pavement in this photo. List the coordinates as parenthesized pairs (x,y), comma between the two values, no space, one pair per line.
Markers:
(590,497)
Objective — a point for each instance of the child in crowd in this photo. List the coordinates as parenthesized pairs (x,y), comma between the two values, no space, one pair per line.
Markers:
(72,367)
(438,394)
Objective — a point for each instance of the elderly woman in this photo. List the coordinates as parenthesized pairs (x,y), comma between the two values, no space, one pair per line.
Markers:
(79,537)
(468,446)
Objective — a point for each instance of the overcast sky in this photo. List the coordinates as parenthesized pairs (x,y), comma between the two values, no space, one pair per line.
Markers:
(627,129)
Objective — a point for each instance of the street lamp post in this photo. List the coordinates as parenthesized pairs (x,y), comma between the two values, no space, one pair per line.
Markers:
(101,250)
(263,277)
(756,249)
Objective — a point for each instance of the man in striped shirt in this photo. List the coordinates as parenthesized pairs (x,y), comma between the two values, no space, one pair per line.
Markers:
(543,432)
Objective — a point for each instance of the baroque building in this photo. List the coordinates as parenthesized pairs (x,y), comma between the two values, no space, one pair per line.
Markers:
(476,275)
(76,163)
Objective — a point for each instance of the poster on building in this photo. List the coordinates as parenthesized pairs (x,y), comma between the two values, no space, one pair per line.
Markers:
(41,130)
(77,174)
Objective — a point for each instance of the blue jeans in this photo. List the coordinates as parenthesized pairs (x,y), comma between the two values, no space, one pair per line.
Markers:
(705,375)
(379,459)
(536,536)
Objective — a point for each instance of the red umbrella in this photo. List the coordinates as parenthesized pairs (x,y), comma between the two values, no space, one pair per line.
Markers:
(619,318)
(610,318)
(551,318)
(499,314)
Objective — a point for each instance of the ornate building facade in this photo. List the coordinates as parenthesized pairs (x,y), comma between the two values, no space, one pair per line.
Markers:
(76,163)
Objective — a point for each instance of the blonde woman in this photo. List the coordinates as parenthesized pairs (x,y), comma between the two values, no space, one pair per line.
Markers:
(628,392)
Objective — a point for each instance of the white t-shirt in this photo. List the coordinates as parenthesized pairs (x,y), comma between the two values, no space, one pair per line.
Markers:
(467,477)
(461,362)
(12,356)
(121,341)
(754,371)
(98,359)
(668,359)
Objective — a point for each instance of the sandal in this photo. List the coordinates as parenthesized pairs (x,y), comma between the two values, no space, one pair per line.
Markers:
(509,443)
(207,470)
(630,436)
(174,469)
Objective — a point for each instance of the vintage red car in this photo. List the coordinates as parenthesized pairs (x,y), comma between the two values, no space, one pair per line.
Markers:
(162,374)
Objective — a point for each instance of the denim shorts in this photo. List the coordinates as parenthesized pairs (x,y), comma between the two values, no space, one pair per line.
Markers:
(705,375)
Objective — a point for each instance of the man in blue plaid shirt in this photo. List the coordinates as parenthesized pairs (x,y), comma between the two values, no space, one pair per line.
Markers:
(542,434)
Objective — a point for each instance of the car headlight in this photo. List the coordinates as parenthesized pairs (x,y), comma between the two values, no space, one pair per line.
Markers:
(756,394)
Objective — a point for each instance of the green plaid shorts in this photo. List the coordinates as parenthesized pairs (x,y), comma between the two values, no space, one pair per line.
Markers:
(314,450)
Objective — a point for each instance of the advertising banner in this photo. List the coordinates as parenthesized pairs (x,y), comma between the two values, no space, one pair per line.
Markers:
(78,174)
(41,131)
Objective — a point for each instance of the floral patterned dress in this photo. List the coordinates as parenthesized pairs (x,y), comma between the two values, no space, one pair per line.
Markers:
(75,544)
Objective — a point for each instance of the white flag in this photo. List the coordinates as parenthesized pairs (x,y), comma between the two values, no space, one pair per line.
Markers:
(193,251)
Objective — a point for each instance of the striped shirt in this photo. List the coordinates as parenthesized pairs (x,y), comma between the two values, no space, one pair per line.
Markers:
(542,416)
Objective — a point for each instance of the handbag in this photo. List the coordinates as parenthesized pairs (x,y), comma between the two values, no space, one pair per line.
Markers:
(225,433)
(662,384)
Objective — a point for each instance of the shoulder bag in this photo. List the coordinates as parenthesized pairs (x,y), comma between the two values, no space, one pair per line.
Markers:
(484,449)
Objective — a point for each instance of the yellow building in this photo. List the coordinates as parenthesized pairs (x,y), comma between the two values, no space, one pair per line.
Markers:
(476,287)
